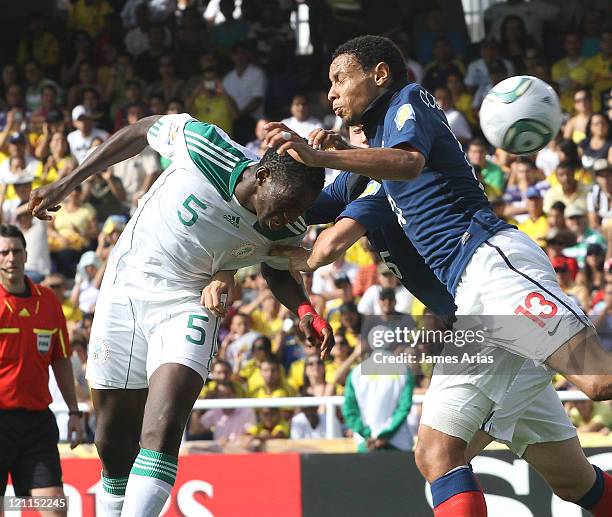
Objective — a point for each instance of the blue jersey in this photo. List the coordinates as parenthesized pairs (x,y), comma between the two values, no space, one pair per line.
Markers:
(365,201)
(444,212)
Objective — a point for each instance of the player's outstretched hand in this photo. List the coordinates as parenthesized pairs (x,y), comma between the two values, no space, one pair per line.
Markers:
(288,141)
(298,259)
(76,430)
(318,333)
(325,140)
(215,294)
(47,199)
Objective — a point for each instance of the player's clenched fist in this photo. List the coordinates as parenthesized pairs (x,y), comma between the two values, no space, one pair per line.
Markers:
(47,199)
(215,294)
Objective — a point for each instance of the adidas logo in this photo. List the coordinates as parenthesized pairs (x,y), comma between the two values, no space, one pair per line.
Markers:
(233,220)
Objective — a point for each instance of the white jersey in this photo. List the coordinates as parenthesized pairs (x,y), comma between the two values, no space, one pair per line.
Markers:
(190,225)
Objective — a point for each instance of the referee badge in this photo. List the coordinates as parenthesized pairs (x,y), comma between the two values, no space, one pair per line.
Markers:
(43,343)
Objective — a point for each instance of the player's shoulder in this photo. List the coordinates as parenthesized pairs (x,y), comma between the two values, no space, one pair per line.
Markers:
(214,142)
(46,295)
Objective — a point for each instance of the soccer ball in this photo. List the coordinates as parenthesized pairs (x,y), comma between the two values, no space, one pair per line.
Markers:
(520,114)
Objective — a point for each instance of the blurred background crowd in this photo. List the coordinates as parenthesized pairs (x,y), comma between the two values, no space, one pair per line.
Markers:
(83,69)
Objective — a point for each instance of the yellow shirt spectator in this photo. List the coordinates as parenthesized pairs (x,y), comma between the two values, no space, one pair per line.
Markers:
(262,323)
(211,386)
(71,311)
(600,71)
(43,48)
(295,379)
(284,390)
(251,372)
(280,429)
(214,110)
(537,229)
(358,255)
(562,73)
(89,16)
(600,414)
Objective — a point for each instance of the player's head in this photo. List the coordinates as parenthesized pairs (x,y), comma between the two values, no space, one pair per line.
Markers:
(13,254)
(285,189)
(360,70)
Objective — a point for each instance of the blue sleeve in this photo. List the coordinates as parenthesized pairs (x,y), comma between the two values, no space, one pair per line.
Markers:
(371,209)
(330,202)
(411,119)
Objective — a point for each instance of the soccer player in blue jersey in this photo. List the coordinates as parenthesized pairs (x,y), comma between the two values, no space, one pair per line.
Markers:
(488,266)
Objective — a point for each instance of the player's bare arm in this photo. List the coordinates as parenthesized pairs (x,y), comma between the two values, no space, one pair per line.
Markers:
(397,163)
(292,295)
(330,244)
(124,144)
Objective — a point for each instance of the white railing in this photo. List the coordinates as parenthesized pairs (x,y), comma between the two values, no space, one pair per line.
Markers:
(330,404)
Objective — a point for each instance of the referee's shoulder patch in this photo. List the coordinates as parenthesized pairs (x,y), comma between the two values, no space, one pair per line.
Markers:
(404,113)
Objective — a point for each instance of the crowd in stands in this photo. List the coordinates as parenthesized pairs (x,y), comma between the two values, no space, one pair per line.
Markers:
(98,65)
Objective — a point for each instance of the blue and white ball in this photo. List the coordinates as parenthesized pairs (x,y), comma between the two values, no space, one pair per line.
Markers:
(520,114)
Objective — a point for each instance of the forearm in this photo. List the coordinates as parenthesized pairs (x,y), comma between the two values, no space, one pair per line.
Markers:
(376,163)
(334,241)
(288,292)
(62,369)
(125,143)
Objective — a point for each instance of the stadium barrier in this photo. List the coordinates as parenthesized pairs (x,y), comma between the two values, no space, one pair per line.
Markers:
(330,404)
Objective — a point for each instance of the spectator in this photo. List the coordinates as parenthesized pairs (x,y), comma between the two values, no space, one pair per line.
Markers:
(168,85)
(49,108)
(591,32)
(350,324)
(497,72)
(556,241)
(257,146)
(376,407)
(137,38)
(323,280)
(14,117)
(146,63)
(189,40)
(569,72)
(90,99)
(246,84)
(491,173)
(477,75)
(265,313)
(599,200)
(576,291)
(567,151)
(221,373)
(35,82)
(315,378)
(592,275)
(70,232)
(38,44)
(591,417)
(87,282)
(436,72)
(81,138)
(555,216)
(81,50)
(226,424)
(57,283)
(157,105)
(576,127)
(18,178)
(131,96)
(105,193)
(138,173)
(601,315)
(29,431)
(89,15)
(59,162)
(108,237)
(18,162)
(576,222)
(300,121)
(456,120)
(525,175)
(598,66)
(366,275)
(38,263)
(236,346)
(206,60)
(210,102)
(597,144)
(232,30)
(403,39)
(311,424)
(251,371)
(536,225)
(86,79)
(270,425)
(344,293)
(515,41)
(274,385)
(462,99)
(368,305)
(567,190)
(434,29)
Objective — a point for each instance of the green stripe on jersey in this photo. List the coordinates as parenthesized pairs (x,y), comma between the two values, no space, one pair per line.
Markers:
(216,157)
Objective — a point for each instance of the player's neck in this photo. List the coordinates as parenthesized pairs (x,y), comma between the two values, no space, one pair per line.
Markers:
(246,190)
(17,287)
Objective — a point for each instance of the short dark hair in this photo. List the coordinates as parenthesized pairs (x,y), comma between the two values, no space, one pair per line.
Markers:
(10,231)
(271,359)
(566,164)
(370,50)
(478,142)
(295,177)
(558,205)
(526,161)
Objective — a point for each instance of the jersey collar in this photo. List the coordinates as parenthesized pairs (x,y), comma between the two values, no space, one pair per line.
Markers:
(378,108)
(34,290)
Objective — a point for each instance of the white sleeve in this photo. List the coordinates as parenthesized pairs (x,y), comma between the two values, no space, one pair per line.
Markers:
(167,132)
(591,200)
(461,128)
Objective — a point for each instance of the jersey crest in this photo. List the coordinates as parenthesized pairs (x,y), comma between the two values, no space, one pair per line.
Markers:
(404,113)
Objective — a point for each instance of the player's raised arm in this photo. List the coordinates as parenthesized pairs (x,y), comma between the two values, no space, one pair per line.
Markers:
(291,294)
(402,162)
(124,144)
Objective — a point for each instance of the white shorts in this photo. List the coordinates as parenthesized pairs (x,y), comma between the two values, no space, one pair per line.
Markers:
(511,284)
(131,338)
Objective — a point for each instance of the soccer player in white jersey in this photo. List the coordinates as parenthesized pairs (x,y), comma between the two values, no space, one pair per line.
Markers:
(216,207)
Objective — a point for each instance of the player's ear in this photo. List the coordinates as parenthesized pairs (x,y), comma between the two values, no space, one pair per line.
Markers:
(382,74)
(261,175)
